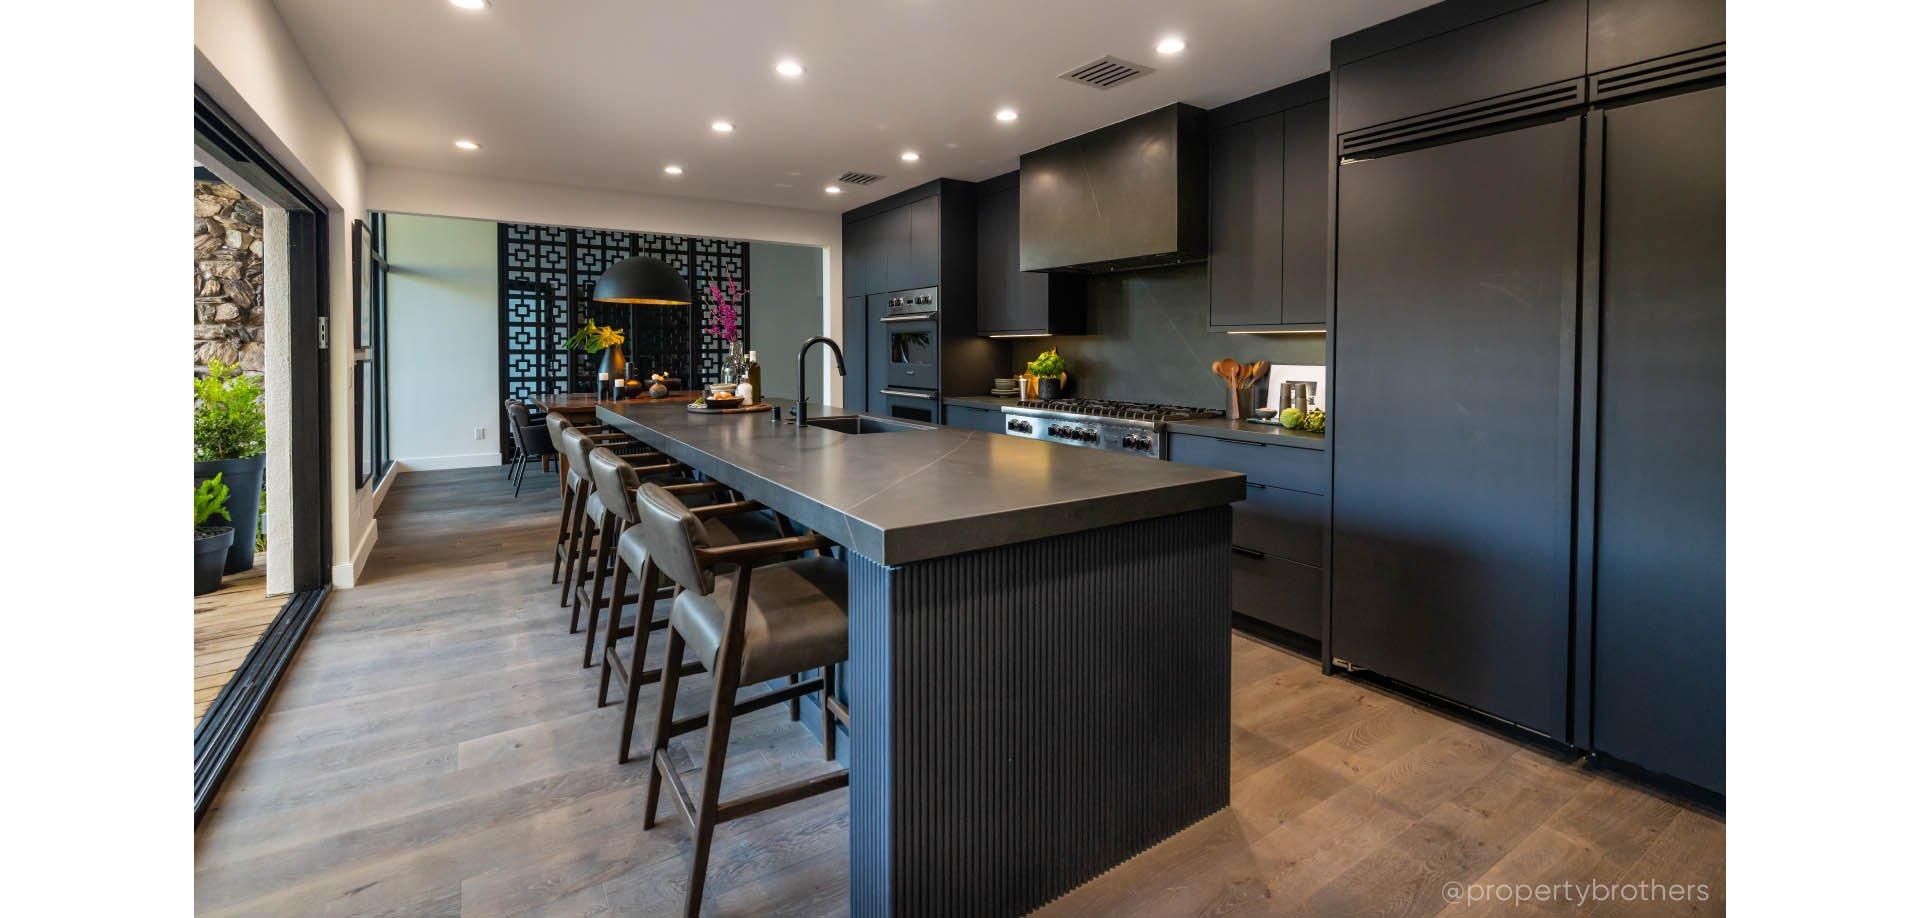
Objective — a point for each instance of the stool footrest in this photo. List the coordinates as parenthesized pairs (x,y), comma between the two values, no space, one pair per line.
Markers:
(784,693)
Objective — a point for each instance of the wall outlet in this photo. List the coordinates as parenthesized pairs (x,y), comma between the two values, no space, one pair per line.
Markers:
(479,433)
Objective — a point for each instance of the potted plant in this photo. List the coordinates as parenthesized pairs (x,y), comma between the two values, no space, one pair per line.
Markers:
(727,307)
(230,442)
(604,340)
(210,543)
(1049,373)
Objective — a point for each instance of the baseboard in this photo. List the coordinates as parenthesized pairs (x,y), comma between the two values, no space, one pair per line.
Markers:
(460,461)
(385,484)
(347,573)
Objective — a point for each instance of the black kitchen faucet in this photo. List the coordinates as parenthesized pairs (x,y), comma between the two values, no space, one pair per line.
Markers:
(839,363)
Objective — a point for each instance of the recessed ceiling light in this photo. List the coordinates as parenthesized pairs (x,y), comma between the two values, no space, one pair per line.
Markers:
(1172,44)
(723,127)
(1006,114)
(833,189)
(909,157)
(470,4)
(466,144)
(789,68)
(673,170)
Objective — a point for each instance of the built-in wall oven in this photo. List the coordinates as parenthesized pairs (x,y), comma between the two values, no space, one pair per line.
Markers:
(909,404)
(911,328)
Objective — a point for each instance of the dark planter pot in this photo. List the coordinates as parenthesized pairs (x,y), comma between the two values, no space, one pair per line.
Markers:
(614,364)
(1049,387)
(242,478)
(210,544)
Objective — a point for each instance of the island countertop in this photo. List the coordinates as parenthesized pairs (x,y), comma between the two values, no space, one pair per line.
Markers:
(912,495)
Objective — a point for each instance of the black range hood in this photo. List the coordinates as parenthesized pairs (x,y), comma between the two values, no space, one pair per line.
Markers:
(1129,195)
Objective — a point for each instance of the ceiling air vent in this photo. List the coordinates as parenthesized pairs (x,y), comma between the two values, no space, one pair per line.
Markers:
(1106,73)
(859,178)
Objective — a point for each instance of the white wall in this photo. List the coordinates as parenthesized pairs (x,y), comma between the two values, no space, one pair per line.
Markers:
(443,356)
(416,191)
(245,59)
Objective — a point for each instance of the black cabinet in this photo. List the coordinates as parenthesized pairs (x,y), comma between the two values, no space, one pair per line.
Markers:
(1012,301)
(1303,299)
(986,420)
(1278,530)
(1453,467)
(921,267)
(1248,185)
(874,364)
(1659,561)
(892,250)
(1622,32)
(859,265)
(1267,262)
(853,323)
(1419,64)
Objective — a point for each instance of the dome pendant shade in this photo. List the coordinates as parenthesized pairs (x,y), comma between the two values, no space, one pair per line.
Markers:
(643,280)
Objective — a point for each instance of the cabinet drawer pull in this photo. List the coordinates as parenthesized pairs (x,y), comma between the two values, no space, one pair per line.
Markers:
(905,394)
(1250,553)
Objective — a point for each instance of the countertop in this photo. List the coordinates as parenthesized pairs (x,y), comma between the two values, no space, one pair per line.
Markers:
(1206,427)
(1249,433)
(909,496)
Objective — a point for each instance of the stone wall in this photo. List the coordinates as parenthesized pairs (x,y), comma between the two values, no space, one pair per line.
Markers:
(229,311)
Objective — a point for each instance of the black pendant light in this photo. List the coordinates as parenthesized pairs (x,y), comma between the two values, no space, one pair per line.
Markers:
(645,281)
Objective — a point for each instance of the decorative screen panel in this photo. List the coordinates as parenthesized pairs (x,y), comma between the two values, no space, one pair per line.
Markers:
(547,275)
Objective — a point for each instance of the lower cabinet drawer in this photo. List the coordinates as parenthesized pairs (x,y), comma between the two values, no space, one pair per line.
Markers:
(970,418)
(1291,467)
(1277,591)
(1280,523)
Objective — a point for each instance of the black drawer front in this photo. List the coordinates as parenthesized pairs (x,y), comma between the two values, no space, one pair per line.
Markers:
(1278,592)
(1287,467)
(975,418)
(1280,523)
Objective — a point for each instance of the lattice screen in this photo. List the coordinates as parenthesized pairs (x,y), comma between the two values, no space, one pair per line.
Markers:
(547,275)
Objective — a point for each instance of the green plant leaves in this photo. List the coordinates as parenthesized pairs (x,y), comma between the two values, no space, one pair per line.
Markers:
(229,414)
(209,498)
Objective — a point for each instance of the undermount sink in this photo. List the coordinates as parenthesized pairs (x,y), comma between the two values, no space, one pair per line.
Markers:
(862,424)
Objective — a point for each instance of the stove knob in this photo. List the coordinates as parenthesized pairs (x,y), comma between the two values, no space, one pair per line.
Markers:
(1053,430)
(1091,436)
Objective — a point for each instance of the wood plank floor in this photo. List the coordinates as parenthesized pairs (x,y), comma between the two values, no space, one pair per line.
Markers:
(435,750)
(226,624)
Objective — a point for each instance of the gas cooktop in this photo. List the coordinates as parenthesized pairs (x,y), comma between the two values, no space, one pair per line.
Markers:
(1132,427)
(1108,408)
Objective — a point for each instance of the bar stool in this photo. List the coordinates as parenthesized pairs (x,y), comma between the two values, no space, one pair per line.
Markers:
(588,511)
(730,522)
(613,478)
(765,621)
(556,423)
(530,441)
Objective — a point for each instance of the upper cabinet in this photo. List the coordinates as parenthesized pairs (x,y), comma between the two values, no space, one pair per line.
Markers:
(1453,54)
(1622,32)
(1012,301)
(1267,261)
(895,249)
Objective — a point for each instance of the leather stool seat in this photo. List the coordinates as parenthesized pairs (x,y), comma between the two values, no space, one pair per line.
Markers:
(796,618)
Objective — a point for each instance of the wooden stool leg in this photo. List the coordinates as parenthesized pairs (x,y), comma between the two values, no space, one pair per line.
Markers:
(793,706)
(560,540)
(826,712)
(719,726)
(600,564)
(610,646)
(642,630)
(662,722)
(576,547)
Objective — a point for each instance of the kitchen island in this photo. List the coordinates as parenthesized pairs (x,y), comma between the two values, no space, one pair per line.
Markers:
(1038,652)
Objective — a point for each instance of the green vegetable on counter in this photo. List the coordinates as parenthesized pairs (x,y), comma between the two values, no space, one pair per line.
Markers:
(1290,418)
(1315,419)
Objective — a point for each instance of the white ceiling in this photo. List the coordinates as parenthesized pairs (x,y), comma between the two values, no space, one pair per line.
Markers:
(604,93)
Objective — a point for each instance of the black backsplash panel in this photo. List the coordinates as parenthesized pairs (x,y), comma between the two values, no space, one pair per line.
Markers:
(1147,340)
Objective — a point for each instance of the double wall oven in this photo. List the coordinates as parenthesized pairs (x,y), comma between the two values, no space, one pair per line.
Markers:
(909,332)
